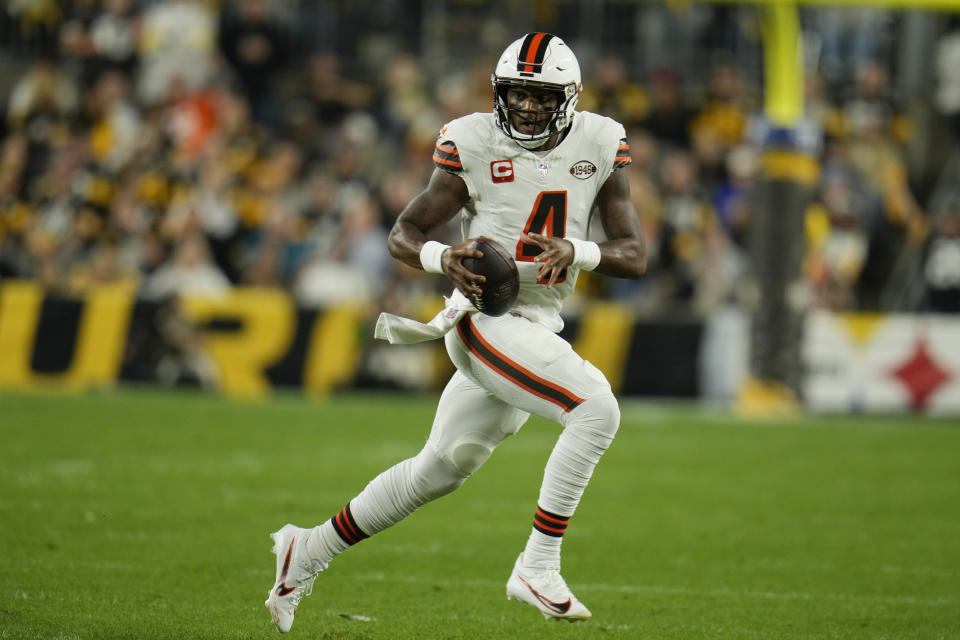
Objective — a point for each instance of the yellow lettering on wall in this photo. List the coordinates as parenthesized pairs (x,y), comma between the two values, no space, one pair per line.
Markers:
(101,337)
(19,313)
(267,320)
(334,349)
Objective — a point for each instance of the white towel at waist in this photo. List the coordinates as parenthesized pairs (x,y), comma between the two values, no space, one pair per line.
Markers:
(399,330)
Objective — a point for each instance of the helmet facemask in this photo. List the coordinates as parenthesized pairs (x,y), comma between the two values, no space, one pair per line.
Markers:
(559,118)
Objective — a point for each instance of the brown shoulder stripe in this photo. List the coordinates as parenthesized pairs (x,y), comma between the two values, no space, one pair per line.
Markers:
(622,158)
(447,156)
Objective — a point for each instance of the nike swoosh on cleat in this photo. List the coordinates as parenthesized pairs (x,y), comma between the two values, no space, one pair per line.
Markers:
(282,588)
(558,607)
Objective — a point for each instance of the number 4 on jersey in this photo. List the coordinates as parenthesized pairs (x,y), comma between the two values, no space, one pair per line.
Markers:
(548,218)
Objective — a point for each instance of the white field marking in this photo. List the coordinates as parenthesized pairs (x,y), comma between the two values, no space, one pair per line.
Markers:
(920,571)
(60,469)
(69,468)
(76,564)
(780,564)
(97,565)
(132,535)
(39,636)
(938,601)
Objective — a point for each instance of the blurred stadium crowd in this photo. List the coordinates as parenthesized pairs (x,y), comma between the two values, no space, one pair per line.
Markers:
(188,146)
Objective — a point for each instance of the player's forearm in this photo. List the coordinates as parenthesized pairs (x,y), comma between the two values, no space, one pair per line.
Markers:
(430,209)
(623,258)
(405,242)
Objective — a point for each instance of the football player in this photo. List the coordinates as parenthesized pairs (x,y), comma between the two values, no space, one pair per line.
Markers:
(528,175)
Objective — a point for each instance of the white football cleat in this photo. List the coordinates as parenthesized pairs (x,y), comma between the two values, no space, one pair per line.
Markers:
(295,575)
(545,590)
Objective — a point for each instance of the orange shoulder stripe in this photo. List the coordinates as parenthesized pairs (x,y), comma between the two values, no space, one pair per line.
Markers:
(449,163)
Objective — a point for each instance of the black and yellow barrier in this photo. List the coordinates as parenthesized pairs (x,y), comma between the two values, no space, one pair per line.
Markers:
(251,341)
(255,339)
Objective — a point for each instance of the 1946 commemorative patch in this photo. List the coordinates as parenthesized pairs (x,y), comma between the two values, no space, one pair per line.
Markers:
(583,169)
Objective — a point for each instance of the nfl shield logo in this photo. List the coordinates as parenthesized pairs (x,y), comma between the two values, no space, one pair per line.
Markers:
(543,168)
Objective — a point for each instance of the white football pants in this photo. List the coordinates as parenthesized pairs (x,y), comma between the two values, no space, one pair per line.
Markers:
(507,368)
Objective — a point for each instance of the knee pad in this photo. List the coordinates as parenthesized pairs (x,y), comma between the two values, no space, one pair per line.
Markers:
(467,457)
(598,415)
(465,453)
(433,476)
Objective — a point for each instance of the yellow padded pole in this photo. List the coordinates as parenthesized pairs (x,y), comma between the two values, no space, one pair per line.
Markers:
(783,63)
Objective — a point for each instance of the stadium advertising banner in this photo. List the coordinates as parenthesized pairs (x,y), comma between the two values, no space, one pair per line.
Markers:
(251,341)
(866,362)
(243,343)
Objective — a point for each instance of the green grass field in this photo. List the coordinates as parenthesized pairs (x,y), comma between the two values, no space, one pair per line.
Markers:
(142,514)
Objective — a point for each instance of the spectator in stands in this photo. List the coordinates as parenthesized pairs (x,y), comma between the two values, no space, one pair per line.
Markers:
(314,115)
(404,95)
(355,267)
(836,244)
(331,95)
(849,37)
(13,161)
(947,95)
(276,249)
(106,264)
(115,135)
(873,146)
(725,108)
(177,46)
(941,260)
(255,45)
(613,94)
(59,221)
(191,271)
(731,200)
(720,125)
(322,206)
(820,105)
(131,222)
(42,98)
(114,34)
(363,240)
(38,22)
(668,118)
(686,216)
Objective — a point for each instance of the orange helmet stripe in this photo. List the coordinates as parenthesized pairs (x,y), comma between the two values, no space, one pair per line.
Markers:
(532,52)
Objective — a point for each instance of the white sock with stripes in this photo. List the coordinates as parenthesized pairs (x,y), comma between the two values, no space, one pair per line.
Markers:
(385,501)
(588,431)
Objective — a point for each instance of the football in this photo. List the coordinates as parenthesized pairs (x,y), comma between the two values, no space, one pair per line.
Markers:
(503,282)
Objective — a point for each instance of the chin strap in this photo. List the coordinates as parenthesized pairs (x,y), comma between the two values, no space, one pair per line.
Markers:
(531,144)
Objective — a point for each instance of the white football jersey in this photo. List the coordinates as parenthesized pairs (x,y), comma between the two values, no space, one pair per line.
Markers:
(514,190)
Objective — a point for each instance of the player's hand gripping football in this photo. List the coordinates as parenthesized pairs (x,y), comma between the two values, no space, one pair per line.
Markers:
(557,255)
(466,281)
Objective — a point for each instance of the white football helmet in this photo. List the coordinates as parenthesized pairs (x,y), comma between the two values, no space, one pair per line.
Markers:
(541,61)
